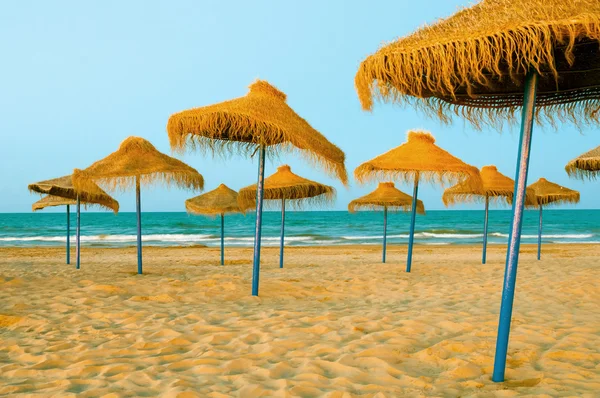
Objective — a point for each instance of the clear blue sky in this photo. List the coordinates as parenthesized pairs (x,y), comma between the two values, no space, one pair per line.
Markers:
(76,78)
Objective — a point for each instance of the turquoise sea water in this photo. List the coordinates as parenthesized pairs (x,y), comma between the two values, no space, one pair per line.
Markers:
(302,228)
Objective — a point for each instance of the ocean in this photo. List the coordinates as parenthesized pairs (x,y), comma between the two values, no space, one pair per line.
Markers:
(302,228)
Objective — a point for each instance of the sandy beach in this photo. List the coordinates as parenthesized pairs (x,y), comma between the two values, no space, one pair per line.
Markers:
(335,322)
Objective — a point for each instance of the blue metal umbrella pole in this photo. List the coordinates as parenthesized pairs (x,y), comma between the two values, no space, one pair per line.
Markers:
(282,233)
(78,233)
(138,207)
(222,239)
(514,240)
(384,232)
(540,236)
(68,234)
(259,208)
(413,215)
(485,229)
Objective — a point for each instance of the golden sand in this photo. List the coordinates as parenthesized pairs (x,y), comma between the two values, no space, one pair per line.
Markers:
(334,323)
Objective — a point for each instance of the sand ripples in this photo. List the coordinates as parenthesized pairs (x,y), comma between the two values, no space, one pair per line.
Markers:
(343,326)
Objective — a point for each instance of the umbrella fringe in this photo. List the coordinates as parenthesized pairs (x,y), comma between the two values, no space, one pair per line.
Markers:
(53,201)
(125,183)
(226,134)
(496,197)
(297,197)
(367,173)
(549,200)
(356,205)
(584,169)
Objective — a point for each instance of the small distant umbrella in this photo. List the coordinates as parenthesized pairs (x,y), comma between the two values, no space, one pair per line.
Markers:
(52,201)
(262,119)
(284,186)
(585,166)
(486,63)
(385,197)
(138,162)
(61,191)
(219,201)
(549,193)
(418,159)
(496,187)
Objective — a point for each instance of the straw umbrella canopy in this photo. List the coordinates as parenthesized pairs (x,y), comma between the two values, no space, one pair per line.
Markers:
(262,119)
(219,201)
(138,162)
(486,63)
(418,159)
(496,188)
(63,187)
(285,186)
(385,197)
(585,166)
(61,191)
(549,193)
(473,64)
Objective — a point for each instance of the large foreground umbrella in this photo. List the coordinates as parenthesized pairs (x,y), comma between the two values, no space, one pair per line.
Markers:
(486,63)
(262,119)
(219,201)
(61,191)
(137,162)
(547,193)
(385,197)
(284,186)
(585,166)
(418,159)
(496,187)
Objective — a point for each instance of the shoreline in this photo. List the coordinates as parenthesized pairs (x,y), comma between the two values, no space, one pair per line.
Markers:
(366,246)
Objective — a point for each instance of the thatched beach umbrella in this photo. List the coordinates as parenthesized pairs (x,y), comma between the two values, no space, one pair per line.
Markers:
(418,159)
(138,162)
(61,191)
(585,166)
(385,197)
(284,186)
(219,201)
(496,188)
(486,63)
(262,119)
(547,193)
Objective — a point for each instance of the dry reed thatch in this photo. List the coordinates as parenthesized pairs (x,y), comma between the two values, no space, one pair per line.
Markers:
(550,193)
(284,184)
(51,201)
(137,157)
(473,63)
(419,156)
(496,186)
(221,200)
(64,187)
(260,117)
(586,166)
(385,196)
